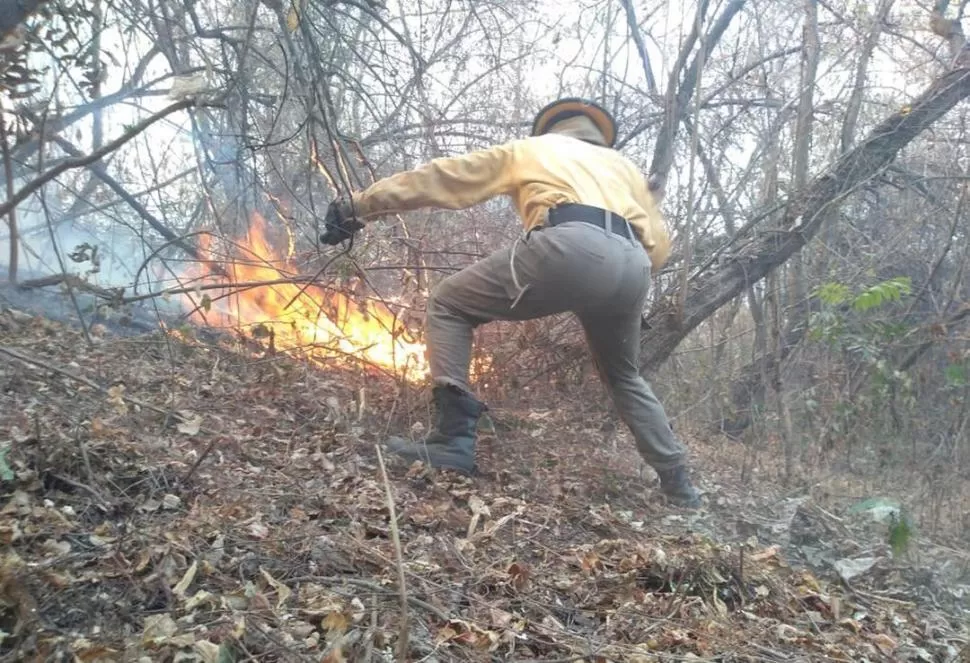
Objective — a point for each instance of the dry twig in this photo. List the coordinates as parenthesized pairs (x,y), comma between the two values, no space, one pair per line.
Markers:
(402,648)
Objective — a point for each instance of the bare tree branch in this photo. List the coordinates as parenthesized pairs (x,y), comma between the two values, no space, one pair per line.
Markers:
(99,171)
(94,156)
(679,94)
(631,19)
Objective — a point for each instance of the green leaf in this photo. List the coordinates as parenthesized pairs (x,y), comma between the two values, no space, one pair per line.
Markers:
(900,535)
(225,654)
(881,293)
(832,293)
(956,375)
(5,472)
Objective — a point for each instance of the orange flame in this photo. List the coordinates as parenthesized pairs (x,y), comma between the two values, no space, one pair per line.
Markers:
(321,324)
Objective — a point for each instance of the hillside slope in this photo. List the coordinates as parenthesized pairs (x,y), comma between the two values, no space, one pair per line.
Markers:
(164,501)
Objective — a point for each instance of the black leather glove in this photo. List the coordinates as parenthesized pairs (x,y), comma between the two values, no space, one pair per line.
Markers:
(339,223)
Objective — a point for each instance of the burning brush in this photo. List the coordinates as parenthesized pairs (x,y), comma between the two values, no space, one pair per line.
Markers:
(261,295)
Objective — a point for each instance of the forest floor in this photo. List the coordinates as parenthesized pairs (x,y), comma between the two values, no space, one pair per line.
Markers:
(166,500)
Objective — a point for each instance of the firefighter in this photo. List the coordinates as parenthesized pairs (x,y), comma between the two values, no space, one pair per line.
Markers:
(592,234)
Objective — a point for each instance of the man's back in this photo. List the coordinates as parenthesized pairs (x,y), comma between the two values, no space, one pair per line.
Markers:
(554,169)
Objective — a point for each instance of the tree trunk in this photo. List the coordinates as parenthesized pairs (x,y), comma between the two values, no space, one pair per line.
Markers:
(14,255)
(747,393)
(809,208)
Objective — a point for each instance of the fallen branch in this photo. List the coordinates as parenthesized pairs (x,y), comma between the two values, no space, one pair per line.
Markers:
(71,280)
(104,504)
(236,286)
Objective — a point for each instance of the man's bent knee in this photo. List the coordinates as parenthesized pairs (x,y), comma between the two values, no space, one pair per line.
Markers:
(446,294)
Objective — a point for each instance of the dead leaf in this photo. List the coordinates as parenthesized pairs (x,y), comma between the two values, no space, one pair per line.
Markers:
(851,624)
(258,603)
(446,634)
(336,624)
(258,530)
(19,504)
(766,554)
(808,581)
(89,652)
(478,506)
(144,557)
(519,575)
(501,522)
(359,611)
(551,622)
(9,532)
(335,655)
(116,396)
(56,547)
(191,423)
(181,640)
(183,584)
(301,629)
(158,629)
(590,561)
(852,568)
(57,580)
(282,591)
(787,633)
(209,651)
(100,541)
(885,643)
(479,509)
(198,599)
(500,618)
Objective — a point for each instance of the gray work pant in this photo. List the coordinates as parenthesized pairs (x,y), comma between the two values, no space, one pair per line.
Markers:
(603,278)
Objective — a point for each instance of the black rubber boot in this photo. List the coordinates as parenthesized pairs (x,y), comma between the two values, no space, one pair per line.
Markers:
(451,444)
(676,486)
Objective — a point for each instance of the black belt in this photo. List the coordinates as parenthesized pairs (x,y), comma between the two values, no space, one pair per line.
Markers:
(592,215)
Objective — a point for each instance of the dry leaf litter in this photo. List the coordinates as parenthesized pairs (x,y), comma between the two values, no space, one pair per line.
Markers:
(172,501)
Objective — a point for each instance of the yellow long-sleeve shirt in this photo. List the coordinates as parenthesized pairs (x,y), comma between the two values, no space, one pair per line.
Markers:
(538,173)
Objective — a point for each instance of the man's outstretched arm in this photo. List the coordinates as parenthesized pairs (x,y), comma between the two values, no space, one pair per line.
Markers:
(447,183)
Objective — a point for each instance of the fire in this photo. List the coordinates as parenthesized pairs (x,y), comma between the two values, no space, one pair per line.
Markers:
(319,324)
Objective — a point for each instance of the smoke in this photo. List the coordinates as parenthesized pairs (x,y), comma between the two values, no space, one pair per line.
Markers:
(108,257)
